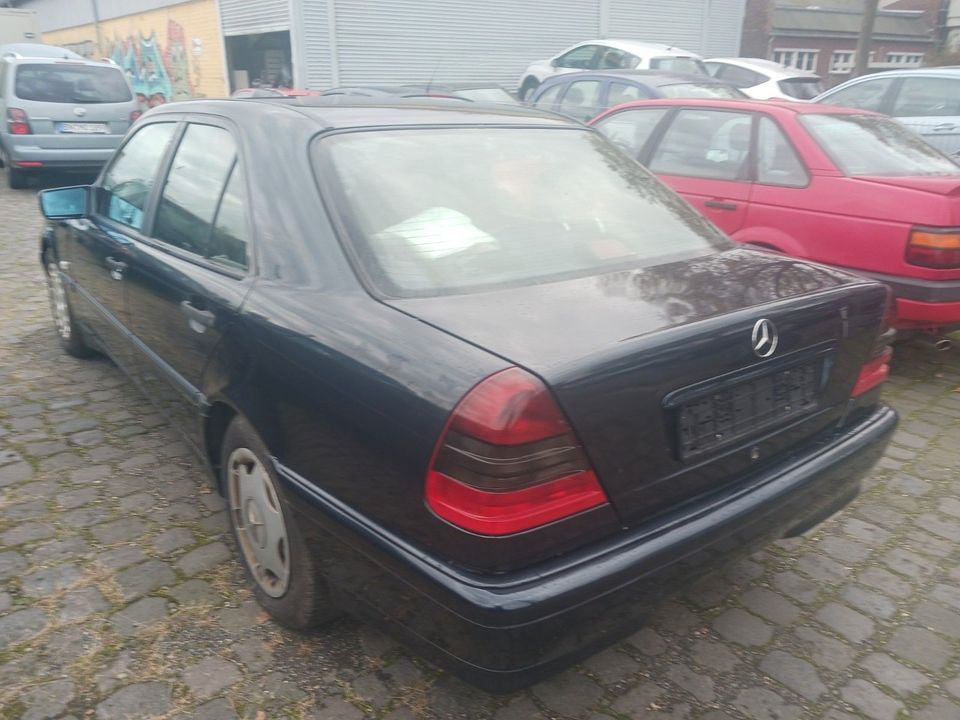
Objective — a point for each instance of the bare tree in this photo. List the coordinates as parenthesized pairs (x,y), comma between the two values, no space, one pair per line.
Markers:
(866,35)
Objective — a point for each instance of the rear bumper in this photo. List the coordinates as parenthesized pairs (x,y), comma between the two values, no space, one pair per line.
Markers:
(23,148)
(923,302)
(505,632)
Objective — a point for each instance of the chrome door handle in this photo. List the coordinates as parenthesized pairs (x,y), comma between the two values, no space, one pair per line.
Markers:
(198,319)
(720,205)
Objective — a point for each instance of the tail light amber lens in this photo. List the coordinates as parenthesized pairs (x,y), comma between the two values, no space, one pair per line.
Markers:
(934,248)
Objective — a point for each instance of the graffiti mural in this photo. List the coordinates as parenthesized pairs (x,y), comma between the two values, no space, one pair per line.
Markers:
(158,75)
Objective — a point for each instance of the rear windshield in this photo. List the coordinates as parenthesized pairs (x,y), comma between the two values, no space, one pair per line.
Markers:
(442,211)
(700,90)
(494,95)
(66,83)
(679,64)
(801,88)
(876,146)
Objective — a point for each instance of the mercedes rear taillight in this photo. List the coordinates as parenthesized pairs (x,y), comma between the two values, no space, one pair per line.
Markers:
(508,460)
(934,248)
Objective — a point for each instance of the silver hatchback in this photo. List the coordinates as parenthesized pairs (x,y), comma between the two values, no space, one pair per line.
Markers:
(57,114)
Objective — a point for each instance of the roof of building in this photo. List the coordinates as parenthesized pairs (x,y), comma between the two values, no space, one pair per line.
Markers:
(830,22)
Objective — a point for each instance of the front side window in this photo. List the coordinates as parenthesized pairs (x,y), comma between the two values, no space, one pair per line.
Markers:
(866,95)
(777,161)
(128,181)
(532,205)
(928,97)
(581,58)
(630,129)
(68,83)
(705,143)
(201,166)
(548,97)
(872,145)
(581,100)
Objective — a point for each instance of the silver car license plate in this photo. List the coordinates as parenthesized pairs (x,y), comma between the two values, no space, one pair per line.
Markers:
(82,128)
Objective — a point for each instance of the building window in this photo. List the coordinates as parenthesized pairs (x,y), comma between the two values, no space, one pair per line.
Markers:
(799,59)
(905,58)
(841,61)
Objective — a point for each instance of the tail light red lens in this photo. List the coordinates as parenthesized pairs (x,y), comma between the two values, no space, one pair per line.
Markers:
(508,460)
(934,248)
(18,122)
(873,373)
(135,115)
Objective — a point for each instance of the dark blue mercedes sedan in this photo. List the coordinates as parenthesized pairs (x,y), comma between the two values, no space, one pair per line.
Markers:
(468,372)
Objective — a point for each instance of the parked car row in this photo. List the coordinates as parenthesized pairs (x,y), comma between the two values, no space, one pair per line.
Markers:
(469,371)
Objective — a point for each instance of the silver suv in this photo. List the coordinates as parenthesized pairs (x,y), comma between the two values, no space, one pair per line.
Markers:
(57,114)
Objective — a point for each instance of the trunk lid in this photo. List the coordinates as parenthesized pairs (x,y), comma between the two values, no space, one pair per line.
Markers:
(651,365)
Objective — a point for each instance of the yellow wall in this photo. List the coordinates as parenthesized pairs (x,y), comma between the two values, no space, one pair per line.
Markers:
(173,53)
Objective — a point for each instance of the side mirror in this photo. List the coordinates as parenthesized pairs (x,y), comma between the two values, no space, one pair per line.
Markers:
(68,203)
(555,62)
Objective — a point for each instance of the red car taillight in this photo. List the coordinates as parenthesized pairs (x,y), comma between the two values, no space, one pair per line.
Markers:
(18,122)
(873,373)
(508,461)
(934,248)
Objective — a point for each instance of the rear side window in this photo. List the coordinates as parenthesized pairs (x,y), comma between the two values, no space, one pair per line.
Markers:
(928,97)
(631,129)
(801,88)
(705,143)
(69,83)
(739,77)
(620,93)
(875,145)
(867,95)
(777,161)
(199,178)
(127,183)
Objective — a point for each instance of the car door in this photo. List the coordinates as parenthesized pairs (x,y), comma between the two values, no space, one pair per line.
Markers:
(930,106)
(99,247)
(188,277)
(704,154)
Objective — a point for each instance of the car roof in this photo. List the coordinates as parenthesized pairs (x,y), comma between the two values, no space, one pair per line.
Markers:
(652,78)
(945,71)
(345,111)
(773,107)
(766,66)
(38,50)
(637,47)
(61,61)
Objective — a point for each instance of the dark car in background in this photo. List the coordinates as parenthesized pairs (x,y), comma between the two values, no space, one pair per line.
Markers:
(585,95)
(470,373)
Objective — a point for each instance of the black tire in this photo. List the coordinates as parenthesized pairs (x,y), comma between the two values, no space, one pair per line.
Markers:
(17,179)
(305,600)
(528,88)
(68,332)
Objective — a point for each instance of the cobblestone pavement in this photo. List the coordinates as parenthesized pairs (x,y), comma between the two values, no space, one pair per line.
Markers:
(121,595)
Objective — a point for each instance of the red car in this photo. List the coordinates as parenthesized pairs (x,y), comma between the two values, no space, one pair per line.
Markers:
(843,187)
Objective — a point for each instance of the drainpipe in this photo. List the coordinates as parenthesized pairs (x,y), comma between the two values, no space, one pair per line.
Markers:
(96,27)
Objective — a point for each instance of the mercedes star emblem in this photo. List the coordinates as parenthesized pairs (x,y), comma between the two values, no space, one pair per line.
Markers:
(764,338)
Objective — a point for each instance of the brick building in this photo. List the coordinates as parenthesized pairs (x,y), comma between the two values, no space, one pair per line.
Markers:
(822,36)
